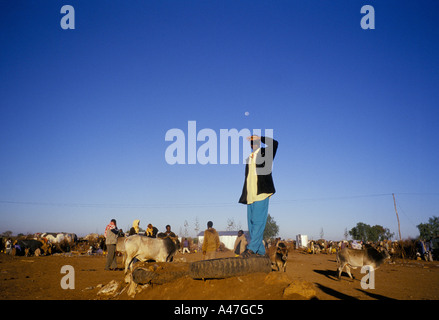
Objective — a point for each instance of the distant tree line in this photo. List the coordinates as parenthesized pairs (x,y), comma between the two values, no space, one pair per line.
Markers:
(430,229)
(365,232)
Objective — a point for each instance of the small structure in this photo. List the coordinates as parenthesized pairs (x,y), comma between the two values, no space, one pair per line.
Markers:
(301,241)
(226,237)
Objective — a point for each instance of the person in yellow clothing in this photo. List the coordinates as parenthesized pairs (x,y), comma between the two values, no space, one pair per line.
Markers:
(135,228)
(211,242)
(257,190)
(151,231)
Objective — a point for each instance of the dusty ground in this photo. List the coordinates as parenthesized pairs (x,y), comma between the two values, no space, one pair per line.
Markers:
(39,278)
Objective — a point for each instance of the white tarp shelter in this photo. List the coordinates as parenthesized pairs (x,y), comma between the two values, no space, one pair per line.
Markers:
(301,241)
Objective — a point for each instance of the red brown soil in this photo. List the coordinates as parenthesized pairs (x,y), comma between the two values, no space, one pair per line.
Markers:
(39,278)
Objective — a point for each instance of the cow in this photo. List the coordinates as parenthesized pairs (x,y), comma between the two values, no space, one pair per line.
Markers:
(145,248)
(60,237)
(278,256)
(61,241)
(120,247)
(353,258)
(29,247)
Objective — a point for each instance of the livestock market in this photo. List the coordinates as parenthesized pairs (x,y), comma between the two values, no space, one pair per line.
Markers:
(218,150)
(31,269)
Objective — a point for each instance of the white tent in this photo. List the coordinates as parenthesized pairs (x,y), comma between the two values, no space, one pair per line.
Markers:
(301,241)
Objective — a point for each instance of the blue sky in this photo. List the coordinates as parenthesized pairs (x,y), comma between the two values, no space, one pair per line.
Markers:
(84,112)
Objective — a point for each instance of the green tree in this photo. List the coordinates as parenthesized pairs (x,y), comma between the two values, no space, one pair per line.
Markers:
(378,233)
(365,232)
(429,230)
(271,228)
(359,232)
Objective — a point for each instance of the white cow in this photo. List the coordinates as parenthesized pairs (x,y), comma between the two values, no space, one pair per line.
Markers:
(146,248)
(59,237)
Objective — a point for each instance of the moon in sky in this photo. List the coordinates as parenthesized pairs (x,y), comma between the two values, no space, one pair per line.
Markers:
(247,113)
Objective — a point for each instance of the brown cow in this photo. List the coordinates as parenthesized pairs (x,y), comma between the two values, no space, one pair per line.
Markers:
(353,258)
(278,256)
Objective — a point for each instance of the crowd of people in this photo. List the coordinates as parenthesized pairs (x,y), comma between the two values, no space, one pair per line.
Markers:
(210,246)
(257,190)
(112,232)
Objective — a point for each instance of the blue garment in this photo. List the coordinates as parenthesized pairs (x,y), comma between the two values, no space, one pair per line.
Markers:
(257,214)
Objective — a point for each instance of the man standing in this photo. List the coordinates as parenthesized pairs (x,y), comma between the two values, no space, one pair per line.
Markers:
(211,242)
(185,246)
(111,233)
(258,188)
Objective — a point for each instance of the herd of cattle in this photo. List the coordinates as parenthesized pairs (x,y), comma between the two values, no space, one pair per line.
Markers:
(163,250)
(60,242)
(50,243)
(411,249)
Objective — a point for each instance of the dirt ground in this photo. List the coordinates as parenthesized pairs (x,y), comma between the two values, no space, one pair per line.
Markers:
(39,278)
